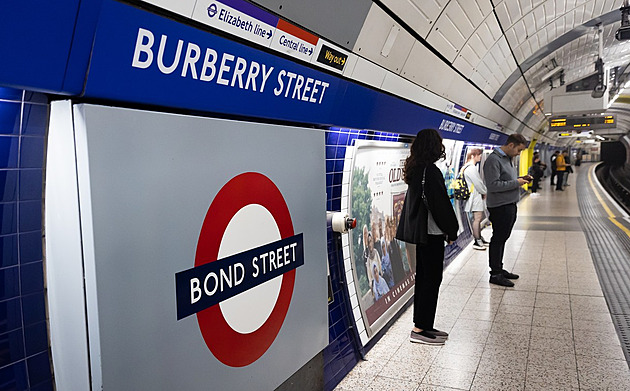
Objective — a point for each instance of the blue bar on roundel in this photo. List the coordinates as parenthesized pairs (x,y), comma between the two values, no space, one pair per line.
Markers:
(211,283)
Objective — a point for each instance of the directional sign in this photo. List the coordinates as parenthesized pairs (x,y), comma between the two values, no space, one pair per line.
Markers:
(294,41)
(331,57)
(237,17)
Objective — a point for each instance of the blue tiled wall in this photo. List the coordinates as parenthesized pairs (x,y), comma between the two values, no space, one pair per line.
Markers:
(24,353)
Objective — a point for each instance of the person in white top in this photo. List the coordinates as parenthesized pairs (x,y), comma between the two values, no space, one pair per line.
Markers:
(476,203)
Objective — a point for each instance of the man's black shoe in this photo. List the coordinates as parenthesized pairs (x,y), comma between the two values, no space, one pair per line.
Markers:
(499,279)
(510,276)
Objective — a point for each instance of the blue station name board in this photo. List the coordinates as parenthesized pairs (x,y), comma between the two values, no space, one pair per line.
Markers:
(145,58)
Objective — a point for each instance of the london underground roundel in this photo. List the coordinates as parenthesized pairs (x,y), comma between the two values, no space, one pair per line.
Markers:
(235,217)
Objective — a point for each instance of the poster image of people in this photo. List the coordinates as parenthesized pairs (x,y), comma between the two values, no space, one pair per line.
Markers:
(384,274)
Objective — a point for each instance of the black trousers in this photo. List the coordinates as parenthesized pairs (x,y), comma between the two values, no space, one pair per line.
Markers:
(536,184)
(560,179)
(429,267)
(502,218)
(553,176)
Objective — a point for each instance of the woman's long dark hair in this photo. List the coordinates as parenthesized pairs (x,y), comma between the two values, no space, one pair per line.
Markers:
(426,149)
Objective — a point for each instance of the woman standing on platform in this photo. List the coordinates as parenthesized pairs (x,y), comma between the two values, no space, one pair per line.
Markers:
(475,204)
(427,220)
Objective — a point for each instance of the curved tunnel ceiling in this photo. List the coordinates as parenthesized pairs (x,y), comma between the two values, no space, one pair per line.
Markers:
(505,47)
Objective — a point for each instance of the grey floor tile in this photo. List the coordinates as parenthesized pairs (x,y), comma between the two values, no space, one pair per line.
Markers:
(585,337)
(553,289)
(588,304)
(381,383)
(477,315)
(430,387)
(448,360)
(514,318)
(355,381)
(472,324)
(445,377)
(512,297)
(515,309)
(413,371)
(509,368)
(410,351)
(541,320)
(551,378)
(552,300)
(474,336)
(511,328)
(603,374)
(464,348)
(552,312)
(552,333)
(554,358)
(599,350)
(487,382)
(589,325)
(563,346)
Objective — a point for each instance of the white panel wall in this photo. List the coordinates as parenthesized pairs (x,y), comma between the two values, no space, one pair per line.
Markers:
(182,7)
(368,73)
(381,32)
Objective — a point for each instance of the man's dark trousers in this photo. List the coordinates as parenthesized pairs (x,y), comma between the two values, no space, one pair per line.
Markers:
(560,179)
(553,176)
(502,218)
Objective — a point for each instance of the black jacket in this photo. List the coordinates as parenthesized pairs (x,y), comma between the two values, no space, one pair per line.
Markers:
(412,227)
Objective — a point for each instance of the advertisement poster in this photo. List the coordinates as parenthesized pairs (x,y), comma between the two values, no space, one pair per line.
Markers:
(384,269)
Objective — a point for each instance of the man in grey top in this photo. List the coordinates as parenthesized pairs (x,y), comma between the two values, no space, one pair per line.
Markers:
(503,194)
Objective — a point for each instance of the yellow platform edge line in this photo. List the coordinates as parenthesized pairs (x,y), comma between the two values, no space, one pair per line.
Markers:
(611,215)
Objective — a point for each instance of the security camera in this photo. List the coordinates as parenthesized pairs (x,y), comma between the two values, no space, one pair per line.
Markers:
(623,33)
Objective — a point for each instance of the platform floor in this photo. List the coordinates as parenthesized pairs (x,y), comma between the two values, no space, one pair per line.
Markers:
(552,331)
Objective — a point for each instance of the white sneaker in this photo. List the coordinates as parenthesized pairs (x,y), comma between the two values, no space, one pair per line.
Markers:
(535,195)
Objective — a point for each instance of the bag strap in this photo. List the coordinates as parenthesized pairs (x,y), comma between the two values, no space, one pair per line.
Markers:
(424,174)
(424,198)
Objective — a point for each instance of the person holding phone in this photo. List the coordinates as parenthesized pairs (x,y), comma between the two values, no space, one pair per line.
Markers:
(561,167)
(427,220)
(503,194)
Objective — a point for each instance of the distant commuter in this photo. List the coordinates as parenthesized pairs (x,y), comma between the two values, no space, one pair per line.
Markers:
(554,173)
(537,171)
(476,202)
(567,161)
(503,194)
(427,220)
(561,168)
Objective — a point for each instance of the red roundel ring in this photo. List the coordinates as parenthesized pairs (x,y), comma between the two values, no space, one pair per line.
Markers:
(229,346)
